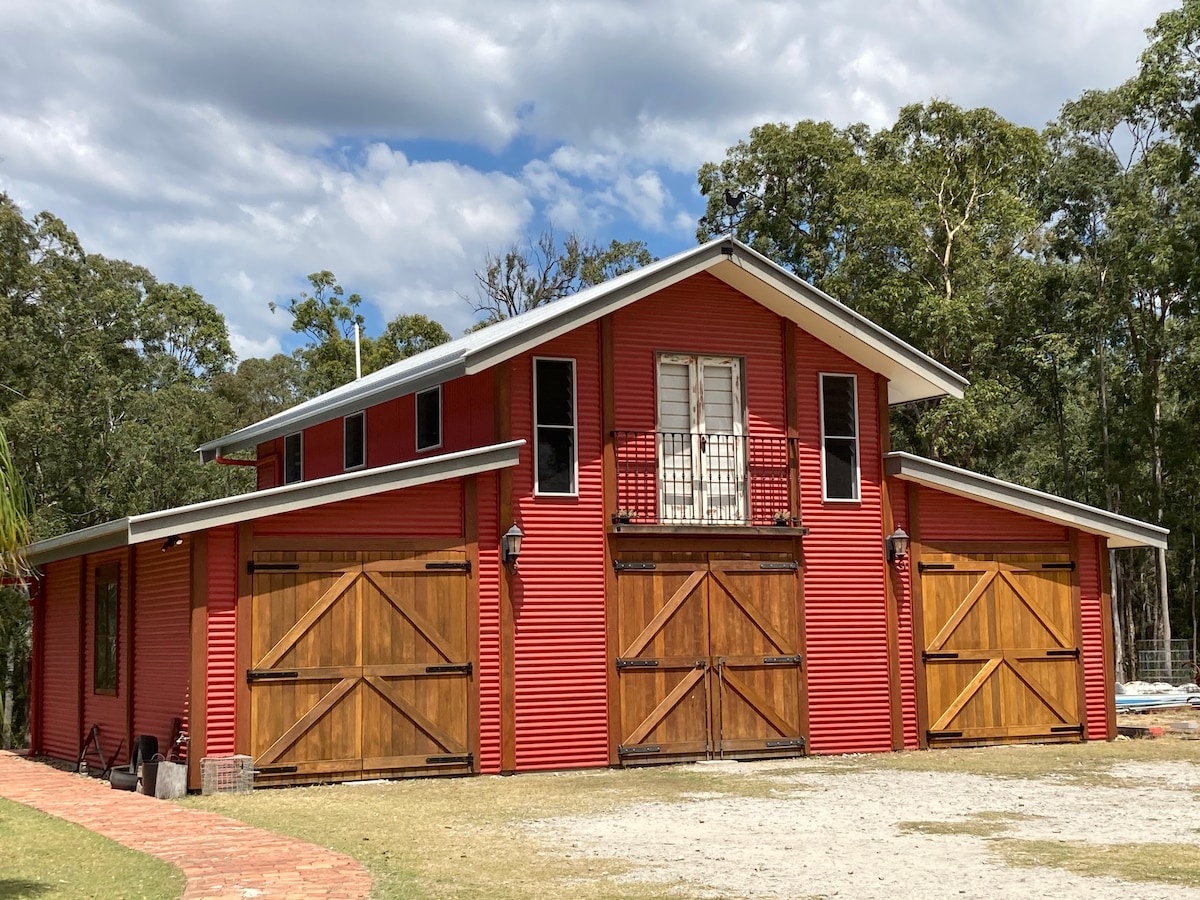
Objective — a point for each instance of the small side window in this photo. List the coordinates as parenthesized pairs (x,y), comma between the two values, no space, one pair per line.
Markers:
(839,435)
(554,426)
(293,458)
(104,664)
(429,419)
(355,442)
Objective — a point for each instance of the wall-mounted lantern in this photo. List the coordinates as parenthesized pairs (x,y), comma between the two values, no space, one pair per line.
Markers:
(510,547)
(897,546)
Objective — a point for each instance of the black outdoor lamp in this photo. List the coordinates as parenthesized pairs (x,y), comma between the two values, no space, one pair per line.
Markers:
(510,547)
(897,546)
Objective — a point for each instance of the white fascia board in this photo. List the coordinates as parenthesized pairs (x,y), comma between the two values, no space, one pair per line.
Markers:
(94,539)
(322,409)
(596,307)
(912,375)
(273,501)
(1120,531)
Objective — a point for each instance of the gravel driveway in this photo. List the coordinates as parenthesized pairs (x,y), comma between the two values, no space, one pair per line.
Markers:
(880,834)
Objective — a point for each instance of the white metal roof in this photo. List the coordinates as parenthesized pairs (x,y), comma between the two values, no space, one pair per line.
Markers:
(272,501)
(1120,531)
(912,374)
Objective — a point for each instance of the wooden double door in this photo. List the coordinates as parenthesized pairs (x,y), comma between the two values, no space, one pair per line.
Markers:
(1000,648)
(362,665)
(708,657)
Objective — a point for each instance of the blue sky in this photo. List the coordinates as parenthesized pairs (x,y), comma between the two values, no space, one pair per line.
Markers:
(238,146)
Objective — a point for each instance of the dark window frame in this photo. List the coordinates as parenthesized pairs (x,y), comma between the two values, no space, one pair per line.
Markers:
(852,440)
(425,448)
(347,464)
(106,645)
(288,476)
(539,427)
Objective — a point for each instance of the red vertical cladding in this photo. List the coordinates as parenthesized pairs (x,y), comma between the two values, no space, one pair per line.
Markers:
(107,710)
(1091,641)
(426,510)
(947,517)
(386,429)
(267,473)
(221,678)
(489,624)
(845,605)
(61,659)
(904,620)
(466,422)
(162,639)
(558,594)
(323,450)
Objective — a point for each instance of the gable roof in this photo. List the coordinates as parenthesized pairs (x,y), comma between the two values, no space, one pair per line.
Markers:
(182,520)
(912,375)
(1120,531)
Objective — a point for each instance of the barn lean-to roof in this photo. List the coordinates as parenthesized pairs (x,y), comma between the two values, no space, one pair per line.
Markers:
(912,375)
(1120,531)
(181,520)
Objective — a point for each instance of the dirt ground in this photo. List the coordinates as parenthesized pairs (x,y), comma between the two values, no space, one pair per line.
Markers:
(894,834)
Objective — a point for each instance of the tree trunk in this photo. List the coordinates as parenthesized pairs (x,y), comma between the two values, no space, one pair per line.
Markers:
(1164,611)
(1114,604)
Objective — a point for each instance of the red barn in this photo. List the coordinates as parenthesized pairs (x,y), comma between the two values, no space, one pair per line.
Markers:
(697,456)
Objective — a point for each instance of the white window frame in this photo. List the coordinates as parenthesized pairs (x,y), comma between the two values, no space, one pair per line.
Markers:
(417,420)
(362,416)
(856,437)
(574,426)
(299,436)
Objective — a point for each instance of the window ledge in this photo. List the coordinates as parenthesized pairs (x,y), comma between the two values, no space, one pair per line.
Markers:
(739,530)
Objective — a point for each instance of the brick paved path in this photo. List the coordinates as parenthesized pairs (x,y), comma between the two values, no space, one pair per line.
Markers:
(221,858)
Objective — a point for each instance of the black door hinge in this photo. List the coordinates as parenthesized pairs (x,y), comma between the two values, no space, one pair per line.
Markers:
(253,675)
(253,567)
(450,669)
(454,565)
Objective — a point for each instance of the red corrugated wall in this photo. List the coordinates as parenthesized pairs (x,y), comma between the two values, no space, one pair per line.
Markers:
(107,710)
(489,623)
(844,592)
(162,630)
(221,676)
(1092,638)
(898,491)
(947,517)
(558,595)
(427,510)
(58,643)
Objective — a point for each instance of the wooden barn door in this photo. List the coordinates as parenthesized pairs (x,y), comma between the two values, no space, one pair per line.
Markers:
(1001,654)
(361,665)
(708,660)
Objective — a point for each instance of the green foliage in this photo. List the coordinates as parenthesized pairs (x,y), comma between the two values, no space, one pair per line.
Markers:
(539,271)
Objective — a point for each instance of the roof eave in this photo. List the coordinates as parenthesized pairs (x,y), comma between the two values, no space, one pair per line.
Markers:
(1119,531)
(95,539)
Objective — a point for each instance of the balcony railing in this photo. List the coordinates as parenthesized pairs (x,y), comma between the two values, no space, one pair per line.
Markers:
(681,478)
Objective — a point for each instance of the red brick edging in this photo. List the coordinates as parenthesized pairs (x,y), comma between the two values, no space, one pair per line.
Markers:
(220,857)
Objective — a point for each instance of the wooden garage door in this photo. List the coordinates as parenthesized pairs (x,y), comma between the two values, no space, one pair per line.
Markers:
(1001,648)
(708,658)
(362,665)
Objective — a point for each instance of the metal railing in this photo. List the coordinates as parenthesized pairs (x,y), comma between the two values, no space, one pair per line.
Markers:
(684,478)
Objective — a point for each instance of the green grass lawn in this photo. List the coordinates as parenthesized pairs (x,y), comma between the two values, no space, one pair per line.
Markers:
(43,858)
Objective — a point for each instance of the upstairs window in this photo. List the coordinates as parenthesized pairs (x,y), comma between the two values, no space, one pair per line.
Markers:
(293,458)
(839,436)
(354,443)
(429,419)
(554,426)
(104,666)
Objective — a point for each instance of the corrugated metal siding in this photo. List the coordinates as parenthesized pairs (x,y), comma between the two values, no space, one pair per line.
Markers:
(733,325)
(59,646)
(1092,638)
(560,656)
(221,676)
(107,711)
(489,624)
(947,517)
(323,450)
(427,510)
(904,631)
(844,591)
(162,639)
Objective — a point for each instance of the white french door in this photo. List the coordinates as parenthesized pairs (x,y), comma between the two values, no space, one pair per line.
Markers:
(701,439)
